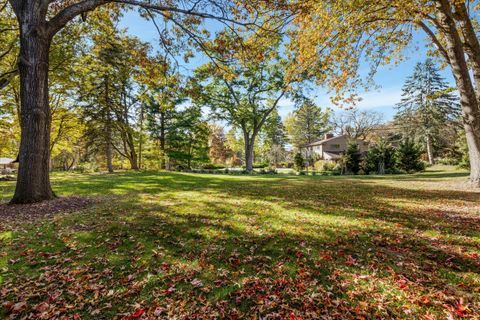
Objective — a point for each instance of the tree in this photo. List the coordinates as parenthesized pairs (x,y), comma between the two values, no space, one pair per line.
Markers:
(427,106)
(39,22)
(307,123)
(331,37)
(408,156)
(299,162)
(108,92)
(243,85)
(351,158)
(358,124)
(217,142)
(273,140)
(188,142)
(161,108)
(235,146)
(380,158)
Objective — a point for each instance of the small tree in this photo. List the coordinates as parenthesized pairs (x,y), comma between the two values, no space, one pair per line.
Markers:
(299,162)
(408,157)
(380,158)
(307,123)
(351,158)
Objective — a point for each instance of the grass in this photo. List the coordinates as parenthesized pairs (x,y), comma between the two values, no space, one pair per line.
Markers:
(215,246)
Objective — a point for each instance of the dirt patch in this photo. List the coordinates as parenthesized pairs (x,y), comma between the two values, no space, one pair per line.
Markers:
(46,209)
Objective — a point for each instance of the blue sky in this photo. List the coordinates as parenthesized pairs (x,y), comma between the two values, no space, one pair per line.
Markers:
(389,78)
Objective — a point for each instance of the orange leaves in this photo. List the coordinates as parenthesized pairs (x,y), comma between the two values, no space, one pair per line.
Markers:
(458,309)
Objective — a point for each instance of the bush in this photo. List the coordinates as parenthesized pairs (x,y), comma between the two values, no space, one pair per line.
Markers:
(351,158)
(299,162)
(324,165)
(449,161)
(212,166)
(409,157)
(379,159)
(260,165)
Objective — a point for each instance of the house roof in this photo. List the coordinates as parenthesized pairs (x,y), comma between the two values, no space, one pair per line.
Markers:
(6,161)
(325,141)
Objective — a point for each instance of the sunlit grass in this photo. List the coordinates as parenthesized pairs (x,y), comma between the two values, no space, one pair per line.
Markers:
(383,246)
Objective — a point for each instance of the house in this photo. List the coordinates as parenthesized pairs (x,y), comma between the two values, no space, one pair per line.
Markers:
(331,147)
(7,165)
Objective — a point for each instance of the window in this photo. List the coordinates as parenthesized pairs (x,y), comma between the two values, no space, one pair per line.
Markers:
(335,146)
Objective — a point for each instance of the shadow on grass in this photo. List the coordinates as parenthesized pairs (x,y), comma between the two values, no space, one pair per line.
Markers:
(269,246)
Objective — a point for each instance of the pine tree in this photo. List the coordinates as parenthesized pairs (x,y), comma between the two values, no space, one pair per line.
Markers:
(427,105)
(307,124)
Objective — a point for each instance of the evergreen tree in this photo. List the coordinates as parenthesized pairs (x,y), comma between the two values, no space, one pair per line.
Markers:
(351,158)
(408,157)
(426,106)
(380,158)
(307,124)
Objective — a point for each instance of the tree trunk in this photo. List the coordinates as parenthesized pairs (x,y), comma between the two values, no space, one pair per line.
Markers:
(33,182)
(140,145)
(249,156)
(431,159)
(468,98)
(108,148)
(163,165)
(133,160)
(108,129)
(381,167)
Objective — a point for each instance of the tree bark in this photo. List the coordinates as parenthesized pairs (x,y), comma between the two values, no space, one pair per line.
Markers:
(249,146)
(140,144)
(163,165)
(108,129)
(431,159)
(468,98)
(249,157)
(33,182)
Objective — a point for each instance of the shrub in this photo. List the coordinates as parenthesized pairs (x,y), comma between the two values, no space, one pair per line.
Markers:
(380,158)
(260,165)
(351,158)
(325,165)
(409,157)
(449,161)
(299,162)
(212,166)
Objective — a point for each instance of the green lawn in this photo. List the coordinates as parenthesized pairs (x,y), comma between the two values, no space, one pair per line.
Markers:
(173,245)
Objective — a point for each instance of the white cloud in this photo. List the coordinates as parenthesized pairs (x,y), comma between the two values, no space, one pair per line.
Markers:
(383,98)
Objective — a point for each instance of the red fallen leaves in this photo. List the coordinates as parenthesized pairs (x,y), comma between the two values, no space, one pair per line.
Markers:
(14,307)
(350,261)
(170,290)
(402,284)
(459,309)
(326,257)
(294,317)
(135,315)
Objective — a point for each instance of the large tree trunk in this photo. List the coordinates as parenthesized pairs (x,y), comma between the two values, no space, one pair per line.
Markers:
(163,165)
(431,159)
(108,148)
(249,157)
(33,182)
(140,144)
(108,129)
(468,97)
(249,145)
(133,160)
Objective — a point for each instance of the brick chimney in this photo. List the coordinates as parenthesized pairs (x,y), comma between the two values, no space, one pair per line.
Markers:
(328,136)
